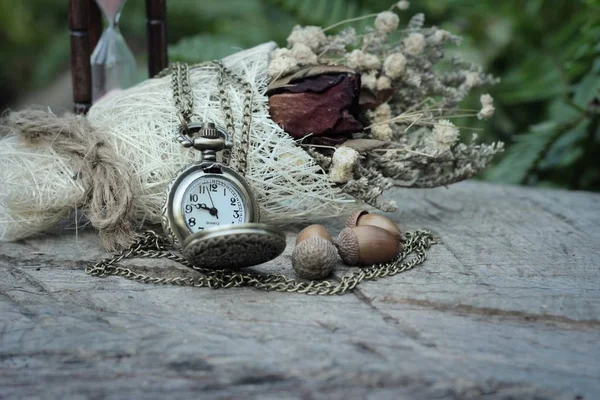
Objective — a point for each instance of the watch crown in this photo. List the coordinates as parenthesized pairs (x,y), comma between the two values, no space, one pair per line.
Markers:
(204,137)
(209,131)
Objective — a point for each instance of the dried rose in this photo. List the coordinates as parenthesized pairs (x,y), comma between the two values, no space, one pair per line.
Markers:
(319,101)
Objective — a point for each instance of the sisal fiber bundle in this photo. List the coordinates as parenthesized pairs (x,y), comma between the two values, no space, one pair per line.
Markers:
(119,171)
(74,165)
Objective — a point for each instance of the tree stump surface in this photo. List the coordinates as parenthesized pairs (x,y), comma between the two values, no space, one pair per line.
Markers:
(506,306)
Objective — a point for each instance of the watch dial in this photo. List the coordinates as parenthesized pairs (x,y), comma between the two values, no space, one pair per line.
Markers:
(212,201)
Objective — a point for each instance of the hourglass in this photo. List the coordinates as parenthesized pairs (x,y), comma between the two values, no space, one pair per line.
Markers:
(113,64)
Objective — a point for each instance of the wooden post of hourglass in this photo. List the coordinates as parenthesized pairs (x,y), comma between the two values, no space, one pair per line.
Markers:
(85,24)
(156,13)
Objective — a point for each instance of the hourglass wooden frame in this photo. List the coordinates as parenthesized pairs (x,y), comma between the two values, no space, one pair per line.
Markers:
(85,24)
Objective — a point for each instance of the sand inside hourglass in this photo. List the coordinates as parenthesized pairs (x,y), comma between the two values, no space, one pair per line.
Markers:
(113,64)
(111,8)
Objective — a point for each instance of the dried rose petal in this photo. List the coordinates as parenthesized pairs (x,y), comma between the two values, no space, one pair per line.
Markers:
(324,105)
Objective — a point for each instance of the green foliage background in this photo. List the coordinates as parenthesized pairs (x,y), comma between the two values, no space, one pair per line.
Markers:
(547,53)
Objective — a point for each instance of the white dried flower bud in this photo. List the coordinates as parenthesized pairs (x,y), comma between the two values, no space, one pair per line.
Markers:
(440,36)
(343,161)
(486,100)
(487,107)
(403,4)
(355,58)
(382,132)
(442,137)
(471,79)
(394,65)
(371,61)
(358,59)
(303,54)
(369,80)
(311,36)
(381,113)
(281,52)
(386,22)
(383,82)
(414,44)
(281,66)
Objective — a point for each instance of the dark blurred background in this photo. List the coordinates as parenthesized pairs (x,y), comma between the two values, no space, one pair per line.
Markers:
(547,54)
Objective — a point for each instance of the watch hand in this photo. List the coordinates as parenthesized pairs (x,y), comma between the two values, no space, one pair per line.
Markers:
(202,206)
(213,210)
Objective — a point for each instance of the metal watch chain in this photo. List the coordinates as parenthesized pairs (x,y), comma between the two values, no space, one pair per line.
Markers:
(152,245)
(184,102)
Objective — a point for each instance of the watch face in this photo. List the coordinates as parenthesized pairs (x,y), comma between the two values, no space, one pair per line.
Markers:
(212,201)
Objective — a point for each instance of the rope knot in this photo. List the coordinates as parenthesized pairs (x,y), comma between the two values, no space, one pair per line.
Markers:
(109,185)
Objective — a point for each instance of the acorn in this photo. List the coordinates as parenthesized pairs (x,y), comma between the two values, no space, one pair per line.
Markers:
(367,245)
(363,217)
(314,256)
(313,231)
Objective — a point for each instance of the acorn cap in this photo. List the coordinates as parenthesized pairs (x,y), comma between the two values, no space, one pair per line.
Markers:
(348,246)
(314,258)
(381,222)
(353,218)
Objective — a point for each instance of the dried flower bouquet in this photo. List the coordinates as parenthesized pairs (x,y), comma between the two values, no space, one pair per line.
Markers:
(374,110)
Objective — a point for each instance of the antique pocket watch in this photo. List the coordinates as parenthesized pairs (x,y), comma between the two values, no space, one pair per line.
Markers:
(210,212)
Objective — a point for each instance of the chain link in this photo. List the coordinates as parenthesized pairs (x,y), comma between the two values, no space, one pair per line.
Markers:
(184,102)
(151,245)
(182,92)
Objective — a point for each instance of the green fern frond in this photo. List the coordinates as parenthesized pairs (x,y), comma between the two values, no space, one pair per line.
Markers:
(522,156)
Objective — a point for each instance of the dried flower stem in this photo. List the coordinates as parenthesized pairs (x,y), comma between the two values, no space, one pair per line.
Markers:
(406,149)
(346,21)
(321,146)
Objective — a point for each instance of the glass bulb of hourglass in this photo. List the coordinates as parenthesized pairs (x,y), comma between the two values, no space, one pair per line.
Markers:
(113,63)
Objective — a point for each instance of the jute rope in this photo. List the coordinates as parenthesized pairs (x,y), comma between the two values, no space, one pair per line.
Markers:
(110,189)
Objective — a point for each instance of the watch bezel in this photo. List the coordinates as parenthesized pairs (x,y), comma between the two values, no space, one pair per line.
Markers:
(212,248)
(173,220)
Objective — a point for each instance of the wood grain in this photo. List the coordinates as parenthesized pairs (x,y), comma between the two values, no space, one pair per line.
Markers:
(506,306)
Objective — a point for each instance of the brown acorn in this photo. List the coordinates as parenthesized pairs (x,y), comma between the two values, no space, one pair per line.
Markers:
(314,256)
(367,245)
(313,231)
(363,217)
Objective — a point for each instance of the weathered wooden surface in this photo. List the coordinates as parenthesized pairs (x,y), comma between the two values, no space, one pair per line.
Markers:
(507,306)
